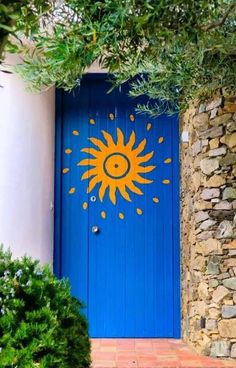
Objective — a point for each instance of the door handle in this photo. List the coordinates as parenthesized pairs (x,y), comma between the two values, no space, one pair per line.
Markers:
(95,229)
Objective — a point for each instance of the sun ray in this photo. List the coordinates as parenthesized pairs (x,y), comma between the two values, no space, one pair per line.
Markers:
(112,194)
(120,138)
(98,143)
(102,191)
(124,193)
(145,158)
(134,189)
(140,147)
(141,180)
(93,182)
(145,169)
(87,162)
(91,151)
(89,173)
(131,140)
(108,139)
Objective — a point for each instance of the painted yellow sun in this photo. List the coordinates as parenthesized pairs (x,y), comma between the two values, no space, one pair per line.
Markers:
(116,166)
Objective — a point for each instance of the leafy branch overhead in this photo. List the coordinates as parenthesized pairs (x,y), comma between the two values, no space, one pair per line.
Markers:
(177,50)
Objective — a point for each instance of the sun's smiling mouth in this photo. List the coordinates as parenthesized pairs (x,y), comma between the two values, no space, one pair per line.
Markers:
(116,165)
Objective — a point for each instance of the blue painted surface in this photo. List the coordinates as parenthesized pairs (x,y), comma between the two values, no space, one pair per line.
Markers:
(128,274)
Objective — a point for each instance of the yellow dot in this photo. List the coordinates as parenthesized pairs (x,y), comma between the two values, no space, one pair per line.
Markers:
(103,215)
(111,116)
(75,132)
(166,181)
(121,216)
(132,117)
(168,161)
(68,151)
(72,190)
(85,205)
(155,199)
(160,139)
(149,125)
(65,170)
(92,121)
(139,211)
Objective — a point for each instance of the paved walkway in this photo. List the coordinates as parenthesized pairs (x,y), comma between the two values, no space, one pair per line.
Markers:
(150,353)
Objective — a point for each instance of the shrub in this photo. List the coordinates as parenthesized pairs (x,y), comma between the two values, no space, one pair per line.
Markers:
(40,322)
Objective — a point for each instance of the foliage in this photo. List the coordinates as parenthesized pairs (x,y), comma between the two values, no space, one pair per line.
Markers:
(178,50)
(40,323)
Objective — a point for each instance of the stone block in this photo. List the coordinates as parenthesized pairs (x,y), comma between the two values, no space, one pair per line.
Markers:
(229,193)
(224,275)
(202,205)
(208,166)
(213,313)
(229,159)
(229,311)
(230,283)
(233,351)
(231,126)
(211,133)
(202,108)
(211,324)
(219,294)
(215,181)
(227,328)
(200,120)
(225,230)
(211,246)
(201,216)
(199,263)
(213,283)
(229,140)
(230,107)
(207,224)
(203,291)
(230,245)
(208,194)
(213,104)
(220,348)
(214,143)
(213,113)
(220,215)
(220,120)
(217,152)
(204,235)
(196,148)
(213,265)
(223,205)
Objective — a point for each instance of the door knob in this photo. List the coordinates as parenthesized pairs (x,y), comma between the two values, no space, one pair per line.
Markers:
(95,229)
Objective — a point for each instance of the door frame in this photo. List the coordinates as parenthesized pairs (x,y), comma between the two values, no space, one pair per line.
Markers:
(57,258)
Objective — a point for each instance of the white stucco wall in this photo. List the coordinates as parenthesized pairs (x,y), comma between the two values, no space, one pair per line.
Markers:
(26,169)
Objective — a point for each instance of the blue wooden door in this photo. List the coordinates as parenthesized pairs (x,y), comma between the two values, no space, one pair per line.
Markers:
(119,212)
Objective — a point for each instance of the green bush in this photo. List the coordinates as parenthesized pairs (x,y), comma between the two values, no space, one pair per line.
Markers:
(40,323)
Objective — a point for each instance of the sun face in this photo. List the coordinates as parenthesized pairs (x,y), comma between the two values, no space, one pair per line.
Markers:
(116,166)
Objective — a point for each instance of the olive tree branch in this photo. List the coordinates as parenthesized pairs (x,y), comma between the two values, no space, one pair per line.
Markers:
(220,22)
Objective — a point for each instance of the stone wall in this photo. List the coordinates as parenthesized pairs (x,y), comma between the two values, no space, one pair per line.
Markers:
(208,190)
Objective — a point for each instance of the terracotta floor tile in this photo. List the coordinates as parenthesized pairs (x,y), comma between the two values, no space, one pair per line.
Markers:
(150,353)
